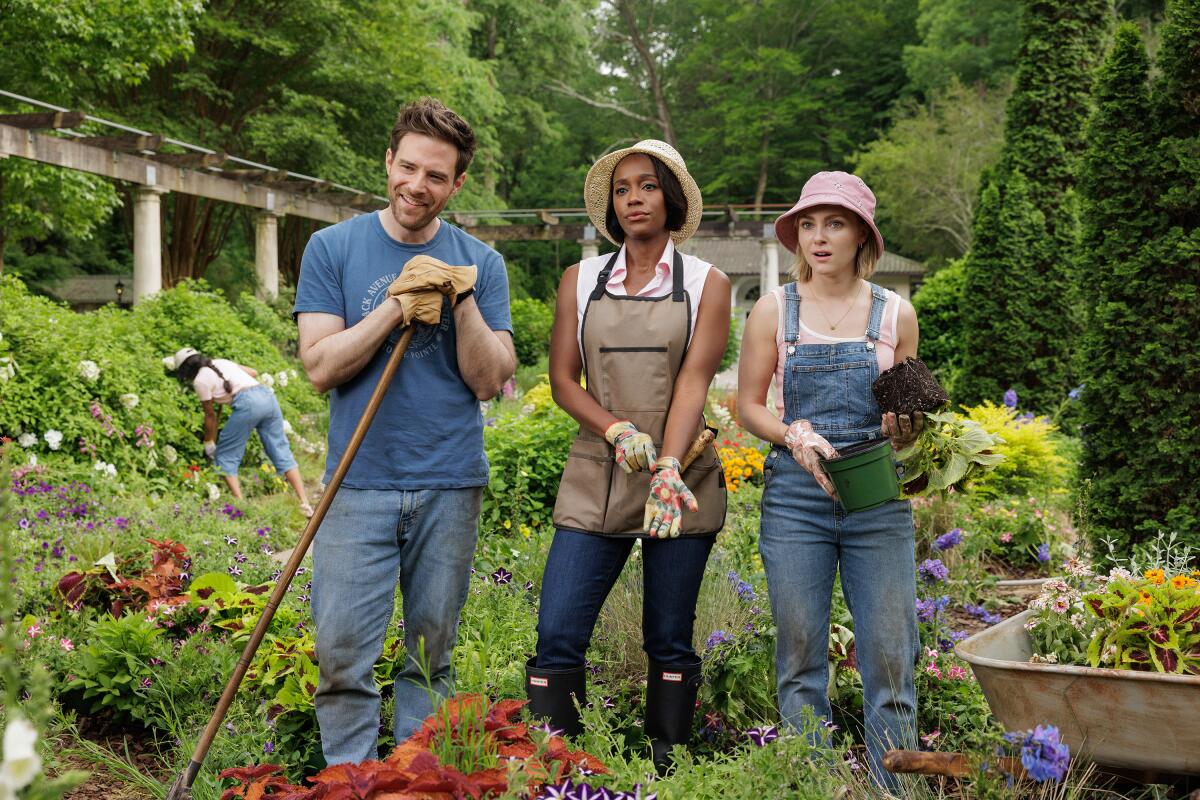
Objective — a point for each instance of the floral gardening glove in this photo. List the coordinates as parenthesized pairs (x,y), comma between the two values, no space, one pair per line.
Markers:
(807,447)
(668,495)
(902,429)
(634,449)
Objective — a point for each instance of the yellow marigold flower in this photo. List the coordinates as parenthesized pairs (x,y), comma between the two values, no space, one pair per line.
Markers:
(1146,597)
(1182,582)
(1155,576)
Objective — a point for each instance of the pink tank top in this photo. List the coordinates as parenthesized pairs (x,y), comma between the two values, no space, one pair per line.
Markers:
(885,348)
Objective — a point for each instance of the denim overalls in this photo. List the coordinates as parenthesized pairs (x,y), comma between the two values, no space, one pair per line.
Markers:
(806,537)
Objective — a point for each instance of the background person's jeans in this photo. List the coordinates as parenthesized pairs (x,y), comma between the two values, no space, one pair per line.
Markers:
(805,539)
(427,537)
(254,408)
(580,572)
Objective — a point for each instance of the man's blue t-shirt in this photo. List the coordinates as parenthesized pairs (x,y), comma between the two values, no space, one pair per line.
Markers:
(428,433)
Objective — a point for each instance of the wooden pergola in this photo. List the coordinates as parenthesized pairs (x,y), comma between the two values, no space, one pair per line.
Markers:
(156,165)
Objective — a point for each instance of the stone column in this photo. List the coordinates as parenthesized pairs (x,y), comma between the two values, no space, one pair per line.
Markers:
(147,242)
(768,275)
(591,245)
(266,254)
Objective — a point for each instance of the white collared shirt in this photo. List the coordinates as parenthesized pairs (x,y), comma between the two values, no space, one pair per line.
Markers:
(695,273)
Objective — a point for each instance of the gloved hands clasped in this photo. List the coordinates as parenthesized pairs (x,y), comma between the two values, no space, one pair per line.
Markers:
(634,450)
(423,283)
(807,446)
(669,495)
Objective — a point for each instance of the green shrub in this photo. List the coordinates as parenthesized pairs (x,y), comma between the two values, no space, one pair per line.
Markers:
(532,321)
(115,670)
(273,320)
(938,305)
(733,345)
(93,386)
(1031,450)
(527,453)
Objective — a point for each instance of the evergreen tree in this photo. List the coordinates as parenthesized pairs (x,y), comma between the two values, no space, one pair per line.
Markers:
(1140,272)
(1018,315)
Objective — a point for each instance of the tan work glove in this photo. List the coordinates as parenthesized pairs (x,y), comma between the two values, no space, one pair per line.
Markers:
(424,306)
(423,273)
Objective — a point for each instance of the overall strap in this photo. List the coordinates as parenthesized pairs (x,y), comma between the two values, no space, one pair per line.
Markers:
(791,315)
(677,278)
(878,303)
(602,278)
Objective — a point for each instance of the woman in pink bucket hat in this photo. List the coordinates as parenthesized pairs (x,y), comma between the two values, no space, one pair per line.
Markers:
(825,338)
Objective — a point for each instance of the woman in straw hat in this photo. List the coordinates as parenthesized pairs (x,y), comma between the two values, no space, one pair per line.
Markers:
(646,328)
(824,339)
(220,381)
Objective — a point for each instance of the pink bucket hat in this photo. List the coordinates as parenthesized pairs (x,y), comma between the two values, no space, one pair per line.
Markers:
(830,189)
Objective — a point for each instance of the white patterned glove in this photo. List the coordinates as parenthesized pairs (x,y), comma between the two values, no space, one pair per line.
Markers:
(634,450)
(807,447)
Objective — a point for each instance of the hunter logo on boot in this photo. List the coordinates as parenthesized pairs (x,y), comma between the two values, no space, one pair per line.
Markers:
(543,682)
(674,677)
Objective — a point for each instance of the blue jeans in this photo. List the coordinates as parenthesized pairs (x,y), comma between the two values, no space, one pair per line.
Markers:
(805,539)
(426,537)
(580,572)
(254,407)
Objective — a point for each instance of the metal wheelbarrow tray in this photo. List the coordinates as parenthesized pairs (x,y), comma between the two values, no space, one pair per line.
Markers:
(1142,721)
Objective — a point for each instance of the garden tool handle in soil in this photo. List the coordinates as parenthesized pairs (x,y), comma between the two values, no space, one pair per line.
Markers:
(182,786)
(951,765)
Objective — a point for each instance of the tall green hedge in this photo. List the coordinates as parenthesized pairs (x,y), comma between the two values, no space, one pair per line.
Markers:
(1141,276)
(532,321)
(1019,315)
(50,389)
(939,308)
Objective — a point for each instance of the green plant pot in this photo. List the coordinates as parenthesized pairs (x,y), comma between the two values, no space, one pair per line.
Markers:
(864,475)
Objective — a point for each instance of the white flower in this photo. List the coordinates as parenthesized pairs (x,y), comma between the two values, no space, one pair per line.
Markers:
(89,370)
(268,379)
(170,454)
(1120,574)
(130,401)
(8,368)
(32,460)
(282,377)
(287,427)
(213,491)
(107,469)
(722,415)
(27,439)
(53,438)
(21,761)
(293,373)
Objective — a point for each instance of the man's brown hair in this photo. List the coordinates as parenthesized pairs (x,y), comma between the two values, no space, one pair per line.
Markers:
(431,118)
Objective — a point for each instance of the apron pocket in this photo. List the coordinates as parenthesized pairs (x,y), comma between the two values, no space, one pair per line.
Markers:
(635,379)
(580,504)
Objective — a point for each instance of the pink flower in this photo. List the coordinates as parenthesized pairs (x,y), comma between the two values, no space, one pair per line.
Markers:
(933,670)
(1006,537)
(957,673)
(928,738)
(66,644)
(34,631)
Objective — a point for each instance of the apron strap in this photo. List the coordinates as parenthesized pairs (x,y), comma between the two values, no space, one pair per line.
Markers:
(878,303)
(602,278)
(791,315)
(677,278)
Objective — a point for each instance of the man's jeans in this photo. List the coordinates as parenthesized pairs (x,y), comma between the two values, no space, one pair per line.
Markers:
(367,538)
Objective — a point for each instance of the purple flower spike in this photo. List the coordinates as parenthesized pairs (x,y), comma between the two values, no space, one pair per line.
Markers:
(1043,552)
(1043,755)
(933,570)
(1010,398)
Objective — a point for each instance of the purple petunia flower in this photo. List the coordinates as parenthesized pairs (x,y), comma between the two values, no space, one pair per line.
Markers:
(950,539)
(1010,398)
(763,736)
(981,613)
(234,570)
(502,576)
(933,570)
(1043,552)
(232,542)
(268,748)
(1043,755)
(239,558)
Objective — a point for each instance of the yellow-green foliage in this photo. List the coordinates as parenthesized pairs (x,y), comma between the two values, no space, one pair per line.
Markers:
(1032,451)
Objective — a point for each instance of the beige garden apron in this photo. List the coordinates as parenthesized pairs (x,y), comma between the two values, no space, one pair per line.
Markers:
(633,348)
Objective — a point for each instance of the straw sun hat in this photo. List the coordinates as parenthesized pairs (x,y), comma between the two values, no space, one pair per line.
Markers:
(598,186)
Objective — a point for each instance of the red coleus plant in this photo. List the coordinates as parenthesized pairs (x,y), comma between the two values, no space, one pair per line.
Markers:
(412,772)
(151,588)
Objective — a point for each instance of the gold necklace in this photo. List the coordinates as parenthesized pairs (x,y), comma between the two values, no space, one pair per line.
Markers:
(833,325)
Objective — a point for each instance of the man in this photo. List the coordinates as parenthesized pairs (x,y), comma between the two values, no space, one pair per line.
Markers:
(409,504)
